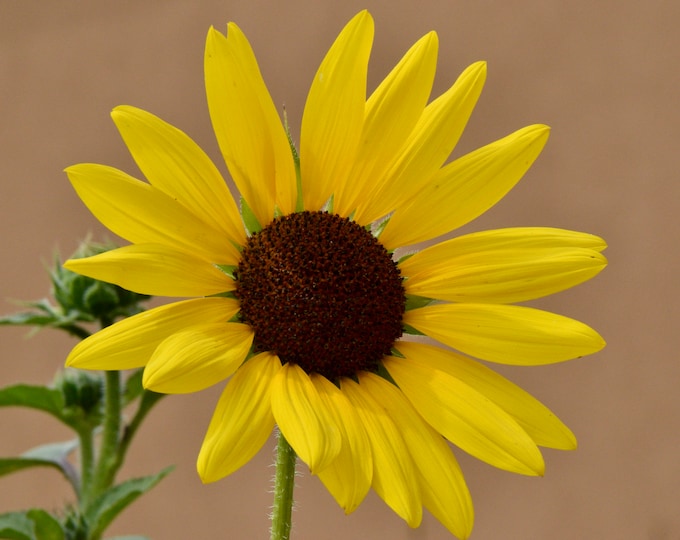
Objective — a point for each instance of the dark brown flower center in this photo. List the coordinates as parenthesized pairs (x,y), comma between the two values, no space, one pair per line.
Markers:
(320,291)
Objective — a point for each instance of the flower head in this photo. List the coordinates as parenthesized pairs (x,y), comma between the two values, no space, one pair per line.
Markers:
(299,299)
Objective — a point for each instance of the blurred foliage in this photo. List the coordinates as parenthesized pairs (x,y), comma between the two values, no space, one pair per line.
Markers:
(89,403)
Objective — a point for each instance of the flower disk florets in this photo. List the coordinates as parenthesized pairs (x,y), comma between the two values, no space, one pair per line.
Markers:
(322,292)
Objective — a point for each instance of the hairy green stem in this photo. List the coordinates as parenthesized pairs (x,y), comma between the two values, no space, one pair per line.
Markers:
(284,482)
(147,401)
(86,465)
(107,465)
(76,331)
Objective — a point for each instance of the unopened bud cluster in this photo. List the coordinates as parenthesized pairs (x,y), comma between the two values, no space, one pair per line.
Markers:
(91,297)
(83,391)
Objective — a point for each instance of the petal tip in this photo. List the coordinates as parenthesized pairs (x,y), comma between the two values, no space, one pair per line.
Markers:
(206,476)
(572,444)
(363,18)
(233,27)
(430,42)
(119,109)
(478,68)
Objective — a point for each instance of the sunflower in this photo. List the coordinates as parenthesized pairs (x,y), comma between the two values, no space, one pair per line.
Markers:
(303,296)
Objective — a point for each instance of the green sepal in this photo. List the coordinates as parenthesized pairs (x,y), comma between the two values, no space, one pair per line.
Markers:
(113,501)
(227,269)
(328,207)
(379,227)
(53,455)
(299,202)
(382,372)
(408,329)
(249,220)
(415,302)
(35,524)
(406,256)
(394,351)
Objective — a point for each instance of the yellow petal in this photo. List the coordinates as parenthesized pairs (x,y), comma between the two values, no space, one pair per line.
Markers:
(348,477)
(142,214)
(536,419)
(436,257)
(473,270)
(391,113)
(154,269)
(394,474)
(304,419)
(197,358)
(242,421)
(247,126)
(334,113)
(428,146)
(506,334)
(129,343)
(442,483)
(465,188)
(176,165)
(465,417)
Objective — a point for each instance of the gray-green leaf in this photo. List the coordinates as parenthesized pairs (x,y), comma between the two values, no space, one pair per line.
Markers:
(104,510)
(48,455)
(33,524)
(42,398)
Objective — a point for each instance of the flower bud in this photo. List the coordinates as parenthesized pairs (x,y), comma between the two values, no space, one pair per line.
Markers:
(83,391)
(91,298)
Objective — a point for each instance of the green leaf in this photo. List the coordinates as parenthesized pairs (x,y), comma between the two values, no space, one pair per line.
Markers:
(27,318)
(43,398)
(113,501)
(46,526)
(33,524)
(49,400)
(49,455)
(48,315)
(16,526)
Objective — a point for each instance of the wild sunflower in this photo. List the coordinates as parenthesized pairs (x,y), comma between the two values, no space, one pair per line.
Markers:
(304,297)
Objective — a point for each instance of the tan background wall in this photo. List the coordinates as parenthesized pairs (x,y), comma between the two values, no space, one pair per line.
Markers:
(603,74)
